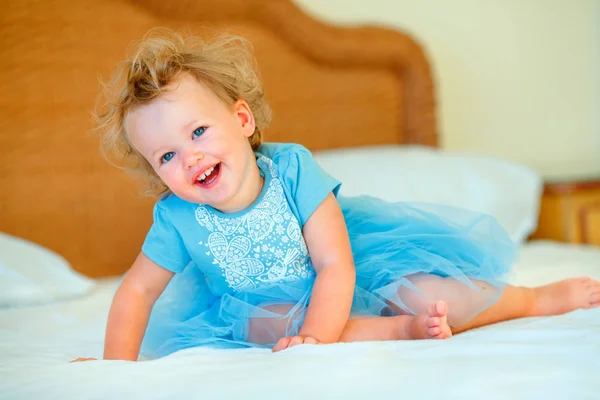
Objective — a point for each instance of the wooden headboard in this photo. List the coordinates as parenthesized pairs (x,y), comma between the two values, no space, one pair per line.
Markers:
(328,87)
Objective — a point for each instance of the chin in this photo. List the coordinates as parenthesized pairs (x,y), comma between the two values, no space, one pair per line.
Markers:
(188,195)
(192,198)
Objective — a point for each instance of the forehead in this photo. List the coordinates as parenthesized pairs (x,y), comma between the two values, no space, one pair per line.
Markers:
(183,91)
(185,85)
(185,97)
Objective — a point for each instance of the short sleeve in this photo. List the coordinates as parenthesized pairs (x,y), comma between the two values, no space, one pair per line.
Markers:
(308,183)
(164,244)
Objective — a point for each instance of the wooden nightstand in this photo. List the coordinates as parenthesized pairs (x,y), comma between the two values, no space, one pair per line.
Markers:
(570,212)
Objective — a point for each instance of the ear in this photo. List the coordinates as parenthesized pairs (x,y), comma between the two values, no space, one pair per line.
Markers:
(244,115)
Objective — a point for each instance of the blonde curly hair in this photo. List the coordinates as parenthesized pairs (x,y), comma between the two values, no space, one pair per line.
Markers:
(224,64)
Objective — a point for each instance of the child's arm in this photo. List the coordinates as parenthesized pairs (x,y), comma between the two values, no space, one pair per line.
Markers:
(131,307)
(327,239)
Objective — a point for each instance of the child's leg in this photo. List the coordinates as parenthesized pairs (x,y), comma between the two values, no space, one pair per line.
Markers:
(432,324)
(418,291)
(432,321)
(553,299)
(514,302)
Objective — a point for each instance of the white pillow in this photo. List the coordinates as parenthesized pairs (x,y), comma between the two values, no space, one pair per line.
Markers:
(31,274)
(508,191)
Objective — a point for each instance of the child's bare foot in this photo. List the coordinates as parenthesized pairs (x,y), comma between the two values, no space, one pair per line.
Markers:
(568,295)
(433,324)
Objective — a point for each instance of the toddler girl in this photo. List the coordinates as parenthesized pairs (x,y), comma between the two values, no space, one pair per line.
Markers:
(255,247)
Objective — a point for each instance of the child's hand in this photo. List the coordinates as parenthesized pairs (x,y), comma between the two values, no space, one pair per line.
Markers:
(83,359)
(291,341)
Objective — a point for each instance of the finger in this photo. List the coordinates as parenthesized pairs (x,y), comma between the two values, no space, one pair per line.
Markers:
(296,340)
(282,344)
(310,340)
(83,359)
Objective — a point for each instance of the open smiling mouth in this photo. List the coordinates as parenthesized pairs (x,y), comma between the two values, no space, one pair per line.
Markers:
(209,176)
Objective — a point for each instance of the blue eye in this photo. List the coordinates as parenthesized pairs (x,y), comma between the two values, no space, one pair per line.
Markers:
(198,131)
(166,157)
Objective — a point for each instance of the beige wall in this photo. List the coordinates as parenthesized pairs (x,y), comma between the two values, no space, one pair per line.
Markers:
(517,79)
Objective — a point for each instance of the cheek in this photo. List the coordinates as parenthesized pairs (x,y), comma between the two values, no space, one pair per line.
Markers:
(169,175)
(221,150)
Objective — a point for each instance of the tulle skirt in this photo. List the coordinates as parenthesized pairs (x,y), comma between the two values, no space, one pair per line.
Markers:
(407,256)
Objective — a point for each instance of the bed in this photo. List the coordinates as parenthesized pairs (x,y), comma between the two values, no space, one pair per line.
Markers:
(322,82)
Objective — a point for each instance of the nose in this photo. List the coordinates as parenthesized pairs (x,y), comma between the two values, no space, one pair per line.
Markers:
(192,159)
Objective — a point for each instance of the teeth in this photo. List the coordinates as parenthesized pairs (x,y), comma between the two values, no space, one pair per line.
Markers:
(206,173)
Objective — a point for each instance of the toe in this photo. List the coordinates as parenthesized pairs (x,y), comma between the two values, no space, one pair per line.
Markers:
(444,335)
(296,340)
(310,340)
(282,344)
(435,331)
(442,308)
(433,321)
(439,309)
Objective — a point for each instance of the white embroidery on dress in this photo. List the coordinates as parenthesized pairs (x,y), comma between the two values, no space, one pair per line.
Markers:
(279,252)
(230,257)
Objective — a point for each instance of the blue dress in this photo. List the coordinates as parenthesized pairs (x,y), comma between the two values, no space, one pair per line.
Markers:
(245,279)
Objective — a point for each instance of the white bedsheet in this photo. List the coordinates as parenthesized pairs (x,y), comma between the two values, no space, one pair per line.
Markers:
(536,358)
